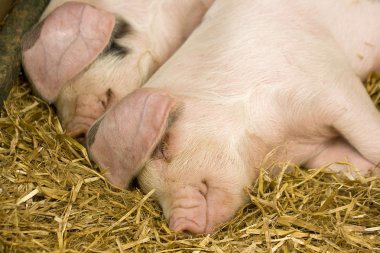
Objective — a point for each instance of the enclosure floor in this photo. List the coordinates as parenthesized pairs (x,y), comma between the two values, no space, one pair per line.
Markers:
(52,199)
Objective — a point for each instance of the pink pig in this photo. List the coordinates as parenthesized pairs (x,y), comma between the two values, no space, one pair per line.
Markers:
(256,80)
(85,56)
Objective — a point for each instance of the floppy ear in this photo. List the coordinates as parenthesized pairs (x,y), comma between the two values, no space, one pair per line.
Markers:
(63,44)
(125,137)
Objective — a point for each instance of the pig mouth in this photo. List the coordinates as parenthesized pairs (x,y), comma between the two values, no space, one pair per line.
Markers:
(78,126)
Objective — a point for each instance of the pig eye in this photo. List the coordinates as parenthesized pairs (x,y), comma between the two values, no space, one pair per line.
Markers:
(122,28)
(109,95)
(161,151)
(106,101)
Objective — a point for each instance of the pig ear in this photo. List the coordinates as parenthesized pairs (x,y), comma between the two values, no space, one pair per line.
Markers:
(124,139)
(64,44)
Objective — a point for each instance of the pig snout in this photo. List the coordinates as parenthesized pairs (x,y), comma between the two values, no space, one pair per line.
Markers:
(88,108)
(200,188)
(198,183)
(189,210)
(200,210)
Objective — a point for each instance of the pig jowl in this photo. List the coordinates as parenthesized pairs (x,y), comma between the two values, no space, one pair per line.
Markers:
(85,56)
(253,80)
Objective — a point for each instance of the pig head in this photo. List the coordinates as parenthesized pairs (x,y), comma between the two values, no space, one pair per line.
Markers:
(253,81)
(195,176)
(85,56)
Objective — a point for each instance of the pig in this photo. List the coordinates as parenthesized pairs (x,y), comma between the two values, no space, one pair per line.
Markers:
(85,56)
(255,81)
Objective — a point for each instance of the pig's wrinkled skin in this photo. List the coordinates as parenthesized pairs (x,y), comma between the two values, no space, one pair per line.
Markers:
(86,55)
(255,78)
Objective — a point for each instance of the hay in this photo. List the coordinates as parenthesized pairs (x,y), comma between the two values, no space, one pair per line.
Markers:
(53,200)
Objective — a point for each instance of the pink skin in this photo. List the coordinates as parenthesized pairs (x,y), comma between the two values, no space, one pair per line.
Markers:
(140,137)
(68,56)
(251,84)
(88,109)
(84,34)
(193,189)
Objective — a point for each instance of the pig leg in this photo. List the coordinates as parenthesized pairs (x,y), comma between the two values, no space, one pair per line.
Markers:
(338,150)
(359,121)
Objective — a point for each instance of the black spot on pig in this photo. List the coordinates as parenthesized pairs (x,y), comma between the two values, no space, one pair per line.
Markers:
(91,134)
(173,116)
(117,50)
(122,28)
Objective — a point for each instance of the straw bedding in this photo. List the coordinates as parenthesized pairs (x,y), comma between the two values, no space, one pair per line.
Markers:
(52,199)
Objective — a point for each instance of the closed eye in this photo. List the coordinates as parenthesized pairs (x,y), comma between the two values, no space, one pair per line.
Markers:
(117,50)
(107,99)
(161,150)
(122,28)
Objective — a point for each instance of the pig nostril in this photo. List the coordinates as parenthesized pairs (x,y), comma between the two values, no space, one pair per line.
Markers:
(187,232)
(204,187)
(186,226)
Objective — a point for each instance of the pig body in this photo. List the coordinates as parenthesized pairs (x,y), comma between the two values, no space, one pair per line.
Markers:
(256,80)
(86,55)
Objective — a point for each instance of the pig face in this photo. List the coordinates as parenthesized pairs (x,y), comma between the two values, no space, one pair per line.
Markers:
(199,173)
(84,59)
(199,185)
(117,71)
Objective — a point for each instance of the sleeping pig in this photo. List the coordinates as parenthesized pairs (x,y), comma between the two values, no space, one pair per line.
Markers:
(256,80)
(85,56)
